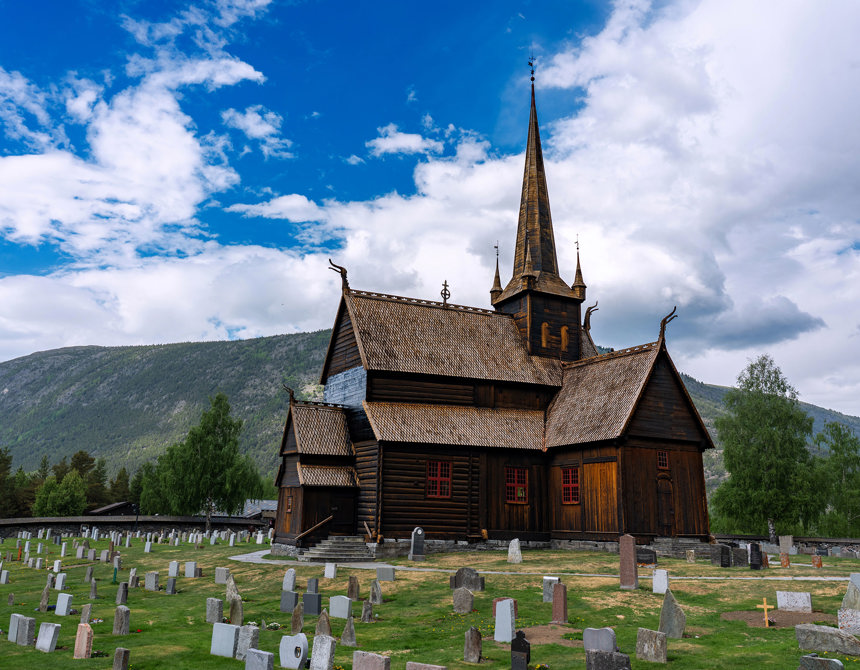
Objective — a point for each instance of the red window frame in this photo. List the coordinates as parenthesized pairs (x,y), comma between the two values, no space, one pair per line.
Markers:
(662,460)
(288,506)
(570,485)
(516,485)
(438,479)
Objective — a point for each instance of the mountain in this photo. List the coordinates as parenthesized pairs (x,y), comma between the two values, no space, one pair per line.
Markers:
(128,404)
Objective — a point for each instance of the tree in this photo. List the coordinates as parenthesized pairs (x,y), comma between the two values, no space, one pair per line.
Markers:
(205,471)
(151,497)
(60,470)
(135,487)
(83,463)
(764,435)
(840,481)
(119,487)
(66,498)
(96,480)
(7,484)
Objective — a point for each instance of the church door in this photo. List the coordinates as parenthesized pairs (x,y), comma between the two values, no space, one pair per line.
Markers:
(665,507)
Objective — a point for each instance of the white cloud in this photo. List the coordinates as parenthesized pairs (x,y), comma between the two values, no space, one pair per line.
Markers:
(262,125)
(393,141)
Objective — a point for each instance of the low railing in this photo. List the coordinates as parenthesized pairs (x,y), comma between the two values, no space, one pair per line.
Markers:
(313,528)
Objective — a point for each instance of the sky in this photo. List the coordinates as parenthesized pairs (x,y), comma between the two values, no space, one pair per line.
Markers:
(174,171)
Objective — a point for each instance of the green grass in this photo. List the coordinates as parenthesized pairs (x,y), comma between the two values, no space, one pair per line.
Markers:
(416,621)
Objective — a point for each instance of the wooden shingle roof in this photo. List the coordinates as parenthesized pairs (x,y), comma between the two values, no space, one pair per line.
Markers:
(451,425)
(599,395)
(321,429)
(422,337)
(327,475)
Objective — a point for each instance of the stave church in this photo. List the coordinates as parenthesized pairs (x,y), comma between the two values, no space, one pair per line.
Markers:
(497,423)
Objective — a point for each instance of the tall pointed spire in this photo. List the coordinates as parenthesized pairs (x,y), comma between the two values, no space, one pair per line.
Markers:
(578,282)
(535,236)
(496,291)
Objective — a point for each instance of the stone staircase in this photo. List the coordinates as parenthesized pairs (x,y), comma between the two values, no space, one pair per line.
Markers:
(338,549)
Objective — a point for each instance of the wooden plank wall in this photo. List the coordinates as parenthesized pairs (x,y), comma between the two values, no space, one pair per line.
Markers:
(287,525)
(366,454)
(344,354)
(503,518)
(533,309)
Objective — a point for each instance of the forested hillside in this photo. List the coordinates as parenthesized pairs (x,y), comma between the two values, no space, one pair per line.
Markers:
(127,404)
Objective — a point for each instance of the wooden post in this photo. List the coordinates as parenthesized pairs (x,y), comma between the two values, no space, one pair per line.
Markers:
(765,607)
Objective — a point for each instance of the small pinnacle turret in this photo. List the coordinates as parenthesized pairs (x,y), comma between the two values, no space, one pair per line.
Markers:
(578,282)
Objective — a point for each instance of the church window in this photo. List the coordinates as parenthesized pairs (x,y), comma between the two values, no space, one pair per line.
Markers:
(565,338)
(662,460)
(288,507)
(438,479)
(570,486)
(516,485)
(544,334)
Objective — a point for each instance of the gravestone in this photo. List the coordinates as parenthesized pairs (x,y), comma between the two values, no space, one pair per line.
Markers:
(467,578)
(786,542)
(515,554)
(103,557)
(48,634)
(289,583)
(225,638)
(249,638)
(43,602)
(88,575)
(366,612)
(147,548)
(628,570)
(464,601)
(151,581)
(814,662)
(173,569)
(672,617)
(784,561)
(64,604)
(816,562)
(312,603)
(416,546)
(825,638)
(122,594)
(559,603)
(313,585)
(740,557)
(851,600)
(91,554)
(26,632)
(473,646)
(375,593)
(849,621)
(57,565)
(385,574)
(323,624)
(721,555)
(121,620)
(353,592)
(602,639)
(505,621)
(79,552)
(237,611)
(170,589)
(190,569)
(221,575)
(364,660)
(651,646)
(521,651)
(755,556)
(85,613)
(340,607)
(347,638)
(4,576)
(330,571)
(289,600)
(414,665)
(214,610)
(60,583)
(690,554)
(322,654)
(548,585)
(256,659)
(83,641)
(646,556)
(297,621)
(794,601)
(293,651)
(133,581)
(660,582)
(12,635)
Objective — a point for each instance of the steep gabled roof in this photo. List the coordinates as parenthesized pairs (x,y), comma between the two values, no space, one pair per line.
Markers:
(327,475)
(599,395)
(320,429)
(452,425)
(413,336)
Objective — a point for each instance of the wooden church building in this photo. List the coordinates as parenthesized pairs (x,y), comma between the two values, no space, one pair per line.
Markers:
(502,423)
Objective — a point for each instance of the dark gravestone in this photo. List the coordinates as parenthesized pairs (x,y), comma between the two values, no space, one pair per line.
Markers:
(755,556)
(353,591)
(467,578)
(821,551)
(416,549)
(520,652)
(721,555)
(739,557)
(289,600)
(312,603)
(171,586)
(598,659)
(473,647)
(645,556)
(313,586)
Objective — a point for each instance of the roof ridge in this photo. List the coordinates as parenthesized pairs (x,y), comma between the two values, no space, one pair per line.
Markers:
(612,354)
(321,405)
(420,301)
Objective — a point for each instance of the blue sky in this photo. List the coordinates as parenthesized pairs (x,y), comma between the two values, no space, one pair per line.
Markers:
(173,171)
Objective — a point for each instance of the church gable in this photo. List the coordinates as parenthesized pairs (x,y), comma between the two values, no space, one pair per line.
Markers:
(343,352)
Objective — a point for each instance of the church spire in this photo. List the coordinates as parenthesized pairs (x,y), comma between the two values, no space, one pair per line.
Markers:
(578,282)
(496,291)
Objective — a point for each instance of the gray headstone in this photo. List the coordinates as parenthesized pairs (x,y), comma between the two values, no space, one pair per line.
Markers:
(366,612)
(721,555)
(464,601)
(416,546)
(60,583)
(851,601)
(794,601)
(289,583)
(120,658)
(85,613)
(173,569)
(297,621)
(340,607)
(147,548)
(121,620)
(375,593)
(191,569)
(825,638)
(122,594)
(88,575)
(64,604)
(256,659)
(651,645)
(385,574)
(322,654)
(225,639)
(13,627)
(289,600)
(597,659)
(312,603)
(151,581)
(467,578)
(170,589)
(660,583)
(293,651)
(600,639)
(237,611)
(672,617)
(353,591)
(347,638)
(473,647)
(46,595)
(331,570)
(364,660)
(740,557)
(505,621)
(515,554)
(249,638)
(26,631)
(4,576)
(48,634)
(221,575)
(323,624)
(214,610)
(814,662)
(313,585)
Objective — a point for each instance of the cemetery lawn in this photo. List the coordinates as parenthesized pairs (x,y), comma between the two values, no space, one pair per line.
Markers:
(416,621)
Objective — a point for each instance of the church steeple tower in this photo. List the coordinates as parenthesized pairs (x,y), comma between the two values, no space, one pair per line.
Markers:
(546,308)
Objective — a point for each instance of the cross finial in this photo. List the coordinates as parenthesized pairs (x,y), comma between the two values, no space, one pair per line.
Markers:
(445,293)
(496,247)
(532,64)
(577,241)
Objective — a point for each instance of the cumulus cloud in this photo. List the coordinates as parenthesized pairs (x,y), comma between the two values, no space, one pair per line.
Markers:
(262,125)
(393,141)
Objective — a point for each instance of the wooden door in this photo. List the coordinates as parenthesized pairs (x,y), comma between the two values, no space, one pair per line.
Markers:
(665,507)
(599,497)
